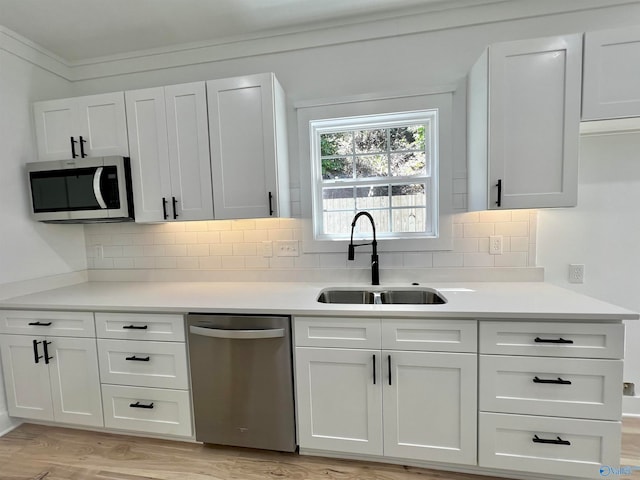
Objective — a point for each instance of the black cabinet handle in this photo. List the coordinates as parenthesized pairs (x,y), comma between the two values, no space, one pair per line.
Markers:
(270,204)
(73,148)
(552,340)
(559,381)
(175,212)
(389,363)
(499,185)
(164,208)
(46,352)
(36,357)
(138,359)
(82,142)
(139,405)
(556,441)
(135,327)
(40,324)
(374,369)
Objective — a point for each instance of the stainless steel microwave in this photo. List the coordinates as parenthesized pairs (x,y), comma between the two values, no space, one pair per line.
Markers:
(86,190)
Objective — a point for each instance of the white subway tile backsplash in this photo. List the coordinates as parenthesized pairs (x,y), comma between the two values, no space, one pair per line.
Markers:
(187,263)
(444,259)
(237,245)
(513,229)
(175,250)
(418,260)
(243,224)
(247,249)
(208,237)
(478,260)
(164,238)
(210,263)
(123,263)
(198,250)
(232,236)
(465,245)
(286,234)
(221,249)
(233,263)
(478,229)
(511,259)
(519,244)
(186,237)
(494,216)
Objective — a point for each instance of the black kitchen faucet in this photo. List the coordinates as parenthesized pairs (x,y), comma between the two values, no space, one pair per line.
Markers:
(375,273)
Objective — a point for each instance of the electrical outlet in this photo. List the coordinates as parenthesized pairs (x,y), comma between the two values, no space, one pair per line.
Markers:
(98,253)
(576,273)
(267,248)
(287,248)
(495,244)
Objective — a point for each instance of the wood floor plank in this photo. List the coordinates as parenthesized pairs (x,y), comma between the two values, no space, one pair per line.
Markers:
(36,452)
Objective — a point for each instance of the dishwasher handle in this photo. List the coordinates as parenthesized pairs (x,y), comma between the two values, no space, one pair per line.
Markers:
(237,334)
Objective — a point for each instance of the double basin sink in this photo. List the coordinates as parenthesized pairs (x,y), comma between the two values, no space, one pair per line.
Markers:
(383,296)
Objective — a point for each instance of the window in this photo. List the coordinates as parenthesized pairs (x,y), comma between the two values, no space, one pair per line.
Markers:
(384,164)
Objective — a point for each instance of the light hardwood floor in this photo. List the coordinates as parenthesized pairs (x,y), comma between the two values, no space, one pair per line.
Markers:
(34,452)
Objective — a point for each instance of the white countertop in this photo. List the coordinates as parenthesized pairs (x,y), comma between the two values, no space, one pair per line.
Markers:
(500,300)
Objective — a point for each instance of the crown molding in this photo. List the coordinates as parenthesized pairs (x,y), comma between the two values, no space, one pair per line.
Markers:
(461,13)
(33,53)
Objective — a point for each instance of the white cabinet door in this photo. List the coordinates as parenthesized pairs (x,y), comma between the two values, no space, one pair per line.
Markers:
(102,124)
(189,159)
(611,71)
(248,147)
(147,125)
(524,116)
(98,120)
(339,400)
(170,162)
(27,382)
(55,127)
(75,381)
(430,406)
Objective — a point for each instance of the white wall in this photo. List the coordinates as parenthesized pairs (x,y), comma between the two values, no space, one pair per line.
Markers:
(603,233)
(27,249)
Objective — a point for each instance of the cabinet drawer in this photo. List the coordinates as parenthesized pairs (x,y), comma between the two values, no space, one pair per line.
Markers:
(430,335)
(141,363)
(60,324)
(551,339)
(345,332)
(170,411)
(140,326)
(509,442)
(583,388)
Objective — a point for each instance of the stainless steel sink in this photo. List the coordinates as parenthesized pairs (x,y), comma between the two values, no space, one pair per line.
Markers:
(391,296)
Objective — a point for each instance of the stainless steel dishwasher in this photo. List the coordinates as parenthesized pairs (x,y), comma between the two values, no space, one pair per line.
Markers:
(242,380)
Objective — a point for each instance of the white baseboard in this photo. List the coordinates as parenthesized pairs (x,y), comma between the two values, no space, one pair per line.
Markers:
(7,423)
(631,406)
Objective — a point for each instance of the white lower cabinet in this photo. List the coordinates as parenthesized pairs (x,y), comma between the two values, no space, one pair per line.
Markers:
(339,405)
(400,404)
(151,410)
(566,447)
(430,408)
(52,378)
(145,382)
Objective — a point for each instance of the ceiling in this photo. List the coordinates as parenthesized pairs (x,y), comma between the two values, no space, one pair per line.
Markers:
(77,30)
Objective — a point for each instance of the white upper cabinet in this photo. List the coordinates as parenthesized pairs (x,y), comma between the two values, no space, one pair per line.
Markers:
(90,126)
(611,71)
(170,163)
(247,131)
(523,128)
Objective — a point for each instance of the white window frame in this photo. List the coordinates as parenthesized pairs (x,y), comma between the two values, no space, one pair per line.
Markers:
(366,106)
(390,120)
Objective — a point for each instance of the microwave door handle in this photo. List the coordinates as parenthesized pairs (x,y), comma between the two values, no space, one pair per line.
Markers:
(96,187)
